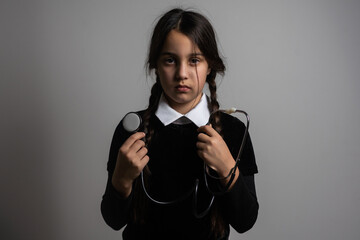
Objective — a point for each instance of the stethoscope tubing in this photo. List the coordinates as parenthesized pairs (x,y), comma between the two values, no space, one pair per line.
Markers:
(194,189)
(237,160)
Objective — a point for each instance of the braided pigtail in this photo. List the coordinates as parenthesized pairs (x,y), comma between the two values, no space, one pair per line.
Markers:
(217,221)
(214,104)
(140,201)
(154,99)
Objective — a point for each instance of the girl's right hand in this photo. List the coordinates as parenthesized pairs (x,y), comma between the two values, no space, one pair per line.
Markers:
(130,162)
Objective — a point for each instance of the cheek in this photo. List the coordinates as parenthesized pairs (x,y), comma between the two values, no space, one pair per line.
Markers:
(202,84)
(202,79)
(165,78)
(165,74)
(203,75)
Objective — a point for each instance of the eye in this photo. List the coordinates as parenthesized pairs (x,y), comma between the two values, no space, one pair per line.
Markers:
(169,60)
(194,61)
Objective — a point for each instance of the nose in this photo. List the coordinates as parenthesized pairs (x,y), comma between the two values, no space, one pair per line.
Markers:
(182,71)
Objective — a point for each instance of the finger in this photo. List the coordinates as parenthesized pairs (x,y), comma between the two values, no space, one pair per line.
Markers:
(142,152)
(202,154)
(139,164)
(201,146)
(145,160)
(207,129)
(137,145)
(202,137)
(132,139)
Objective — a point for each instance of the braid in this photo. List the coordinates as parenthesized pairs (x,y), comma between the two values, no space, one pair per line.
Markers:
(140,201)
(217,222)
(214,104)
(154,99)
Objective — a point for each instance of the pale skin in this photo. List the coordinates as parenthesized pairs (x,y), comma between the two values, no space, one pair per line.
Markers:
(182,70)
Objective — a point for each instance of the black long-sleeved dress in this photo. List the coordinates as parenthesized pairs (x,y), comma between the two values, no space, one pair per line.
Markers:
(174,167)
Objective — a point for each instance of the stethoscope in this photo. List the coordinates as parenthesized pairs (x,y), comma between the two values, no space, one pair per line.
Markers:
(132,123)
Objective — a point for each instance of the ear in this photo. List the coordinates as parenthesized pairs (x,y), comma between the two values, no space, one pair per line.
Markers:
(208,71)
(156,72)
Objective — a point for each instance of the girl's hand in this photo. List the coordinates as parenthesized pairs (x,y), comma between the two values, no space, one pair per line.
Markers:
(130,162)
(214,151)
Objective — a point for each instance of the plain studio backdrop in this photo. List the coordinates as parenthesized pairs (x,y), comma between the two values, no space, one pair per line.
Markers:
(70,70)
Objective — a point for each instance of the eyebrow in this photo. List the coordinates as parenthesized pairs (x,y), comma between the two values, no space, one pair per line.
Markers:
(190,55)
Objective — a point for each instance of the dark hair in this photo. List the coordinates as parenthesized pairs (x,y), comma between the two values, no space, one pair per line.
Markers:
(197,28)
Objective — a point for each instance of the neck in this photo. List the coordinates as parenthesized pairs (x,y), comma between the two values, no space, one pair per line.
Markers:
(184,108)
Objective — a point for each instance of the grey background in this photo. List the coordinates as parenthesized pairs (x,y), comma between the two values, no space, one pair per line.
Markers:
(71,69)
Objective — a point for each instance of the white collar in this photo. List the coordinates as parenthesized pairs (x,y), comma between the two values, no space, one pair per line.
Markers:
(199,115)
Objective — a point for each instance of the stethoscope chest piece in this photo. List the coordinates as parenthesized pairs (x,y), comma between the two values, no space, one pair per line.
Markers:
(131,122)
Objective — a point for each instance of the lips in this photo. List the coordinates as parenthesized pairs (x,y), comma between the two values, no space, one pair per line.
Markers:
(182,88)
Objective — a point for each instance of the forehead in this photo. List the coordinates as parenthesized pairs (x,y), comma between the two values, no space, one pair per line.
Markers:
(178,43)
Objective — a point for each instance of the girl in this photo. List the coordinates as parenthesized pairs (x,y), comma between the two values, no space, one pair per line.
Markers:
(174,143)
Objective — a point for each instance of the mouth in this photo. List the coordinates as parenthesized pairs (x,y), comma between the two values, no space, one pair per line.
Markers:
(182,88)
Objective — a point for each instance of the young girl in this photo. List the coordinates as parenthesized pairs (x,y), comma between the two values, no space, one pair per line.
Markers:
(175,141)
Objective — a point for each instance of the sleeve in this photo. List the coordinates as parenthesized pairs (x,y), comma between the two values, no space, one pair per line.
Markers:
(115,209)
(240,205)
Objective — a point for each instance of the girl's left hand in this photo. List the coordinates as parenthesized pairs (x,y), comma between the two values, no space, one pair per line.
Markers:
(214,151)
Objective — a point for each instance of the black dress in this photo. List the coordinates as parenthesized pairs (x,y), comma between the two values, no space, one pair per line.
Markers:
(174,167)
